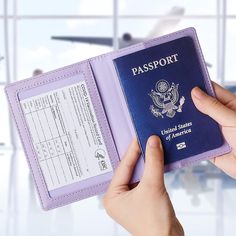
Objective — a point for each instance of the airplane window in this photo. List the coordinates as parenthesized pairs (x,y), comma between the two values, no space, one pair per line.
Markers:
(71,7)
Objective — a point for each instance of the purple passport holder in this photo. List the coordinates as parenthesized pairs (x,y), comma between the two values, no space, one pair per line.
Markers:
(75,126)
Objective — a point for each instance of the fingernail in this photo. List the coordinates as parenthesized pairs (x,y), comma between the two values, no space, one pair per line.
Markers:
(154,142)
(198,93)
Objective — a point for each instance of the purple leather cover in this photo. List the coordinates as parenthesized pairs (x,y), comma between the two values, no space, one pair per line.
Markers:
(111,109)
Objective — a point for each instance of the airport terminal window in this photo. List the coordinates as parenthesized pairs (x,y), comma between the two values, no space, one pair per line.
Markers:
(69,7)
(40,51)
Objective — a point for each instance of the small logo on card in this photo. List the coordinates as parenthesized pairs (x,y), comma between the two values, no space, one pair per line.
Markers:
(102,165)
(180,146)
(100,155)
(165,99)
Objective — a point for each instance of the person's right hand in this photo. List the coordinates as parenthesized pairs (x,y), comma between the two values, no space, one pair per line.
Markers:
(223,110)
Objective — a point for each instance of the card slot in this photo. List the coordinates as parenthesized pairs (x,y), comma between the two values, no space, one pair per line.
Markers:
(112,102)
(99,79)
(77,75)
(113,98)
(115,105)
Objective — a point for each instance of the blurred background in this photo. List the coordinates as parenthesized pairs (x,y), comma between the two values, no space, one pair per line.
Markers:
(38,36)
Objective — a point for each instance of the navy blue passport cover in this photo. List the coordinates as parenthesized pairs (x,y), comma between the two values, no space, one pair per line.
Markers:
(157,84)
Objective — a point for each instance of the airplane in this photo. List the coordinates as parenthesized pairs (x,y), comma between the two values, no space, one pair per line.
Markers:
(166,24)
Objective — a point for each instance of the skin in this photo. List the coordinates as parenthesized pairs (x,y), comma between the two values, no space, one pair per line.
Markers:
(145,208)
(222,109)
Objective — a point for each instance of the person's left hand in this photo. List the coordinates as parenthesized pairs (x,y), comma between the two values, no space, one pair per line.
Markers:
(146,209)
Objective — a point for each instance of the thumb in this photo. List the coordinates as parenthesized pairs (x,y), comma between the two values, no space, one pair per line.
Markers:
(213,108)
(154,163)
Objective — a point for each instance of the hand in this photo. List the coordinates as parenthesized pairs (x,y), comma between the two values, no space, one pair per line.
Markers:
(145,209)
(223,110)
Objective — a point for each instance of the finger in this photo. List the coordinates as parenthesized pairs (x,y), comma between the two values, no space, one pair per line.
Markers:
(213,108)
(154,163)
(125,169)
(222,94)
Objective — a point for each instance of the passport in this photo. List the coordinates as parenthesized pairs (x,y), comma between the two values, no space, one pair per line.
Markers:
(157,83)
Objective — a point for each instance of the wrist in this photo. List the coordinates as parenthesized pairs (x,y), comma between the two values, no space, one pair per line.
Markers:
(175,230)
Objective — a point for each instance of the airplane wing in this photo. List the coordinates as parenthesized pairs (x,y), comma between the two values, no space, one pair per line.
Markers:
(167,22)
(107,41)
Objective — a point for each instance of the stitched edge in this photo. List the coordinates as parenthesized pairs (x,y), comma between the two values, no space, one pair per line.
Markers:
(101,114)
